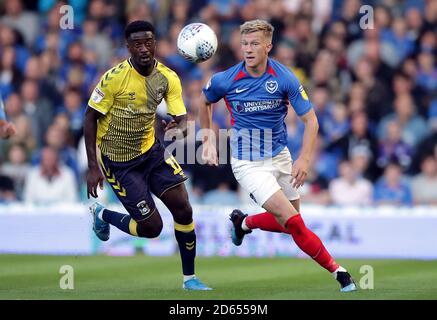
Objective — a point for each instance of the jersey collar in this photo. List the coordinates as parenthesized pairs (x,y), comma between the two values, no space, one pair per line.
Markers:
(244,74)
(151,73)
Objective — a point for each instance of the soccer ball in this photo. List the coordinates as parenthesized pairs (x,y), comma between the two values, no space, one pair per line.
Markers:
(197,42)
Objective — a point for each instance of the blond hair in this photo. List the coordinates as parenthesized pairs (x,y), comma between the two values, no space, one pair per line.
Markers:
(258,25)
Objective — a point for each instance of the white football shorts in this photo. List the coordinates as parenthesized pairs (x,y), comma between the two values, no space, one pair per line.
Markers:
(264,178)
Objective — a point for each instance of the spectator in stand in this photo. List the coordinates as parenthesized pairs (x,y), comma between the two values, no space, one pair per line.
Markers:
(26,22)
(393,147)
(16,167)
(315,189)
(427,72)
(402,83)
(414,128)
(50,182)
(359,135)
(37,108)
(56,138)
(99,43)
(360,159)
(337,124)
(350,188)
(398,37)
(322,103)
(392,189)
(377,98)
(74,109)
(324,162)
(23,131)
(36,71)
(424,185)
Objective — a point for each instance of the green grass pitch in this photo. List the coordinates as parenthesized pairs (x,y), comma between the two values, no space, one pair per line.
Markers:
(142,277)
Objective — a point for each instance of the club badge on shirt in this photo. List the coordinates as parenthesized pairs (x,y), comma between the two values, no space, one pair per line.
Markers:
(271,86)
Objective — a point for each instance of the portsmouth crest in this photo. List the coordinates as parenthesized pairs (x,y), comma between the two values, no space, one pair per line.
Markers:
(143,207)
(271,86)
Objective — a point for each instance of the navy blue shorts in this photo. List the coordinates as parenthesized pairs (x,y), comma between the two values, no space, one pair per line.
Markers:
(133,181)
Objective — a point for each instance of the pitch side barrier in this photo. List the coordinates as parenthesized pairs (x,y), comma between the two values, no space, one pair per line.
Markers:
(348,232)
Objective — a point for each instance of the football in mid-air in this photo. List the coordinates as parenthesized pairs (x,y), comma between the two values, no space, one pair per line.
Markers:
(197,42)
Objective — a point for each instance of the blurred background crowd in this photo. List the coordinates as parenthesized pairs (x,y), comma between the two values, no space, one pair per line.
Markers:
(374,91)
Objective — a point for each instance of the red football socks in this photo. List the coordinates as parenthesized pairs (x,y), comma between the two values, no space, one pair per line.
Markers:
(305,239)
(310,243)
(265,221)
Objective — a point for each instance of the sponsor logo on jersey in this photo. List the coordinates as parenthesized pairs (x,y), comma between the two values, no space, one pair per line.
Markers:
(238,90)
(254,106)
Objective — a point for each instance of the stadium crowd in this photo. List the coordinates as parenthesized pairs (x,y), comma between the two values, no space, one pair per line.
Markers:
(374,91)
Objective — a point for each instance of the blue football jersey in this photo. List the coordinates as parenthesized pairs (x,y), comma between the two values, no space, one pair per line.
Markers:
(258,106)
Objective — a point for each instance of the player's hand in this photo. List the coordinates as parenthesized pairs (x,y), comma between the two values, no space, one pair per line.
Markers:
(94,178)
(172,130)
(209,154)
(167,126)
(7,129)
(299,172)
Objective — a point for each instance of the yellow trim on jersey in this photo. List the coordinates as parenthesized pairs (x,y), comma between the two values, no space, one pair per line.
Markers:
(183,227)
(133,227)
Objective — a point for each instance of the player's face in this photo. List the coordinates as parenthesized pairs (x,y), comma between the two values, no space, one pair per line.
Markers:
(255,48)
(141,46)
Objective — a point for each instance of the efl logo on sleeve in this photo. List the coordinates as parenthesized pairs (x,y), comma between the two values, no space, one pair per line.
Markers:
(303,93)
(97,95)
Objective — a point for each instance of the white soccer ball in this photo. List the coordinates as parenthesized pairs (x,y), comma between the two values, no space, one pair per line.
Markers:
(197,42)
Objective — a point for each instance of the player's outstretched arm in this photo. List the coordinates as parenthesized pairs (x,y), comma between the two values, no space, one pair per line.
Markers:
(94,175)
(301,165)
(209,152)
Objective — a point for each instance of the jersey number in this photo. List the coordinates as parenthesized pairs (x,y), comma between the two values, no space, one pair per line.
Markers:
(175,165)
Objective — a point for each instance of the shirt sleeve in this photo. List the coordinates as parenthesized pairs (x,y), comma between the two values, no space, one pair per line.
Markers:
(215,89)
(173,98)
(297,96)
(102,98)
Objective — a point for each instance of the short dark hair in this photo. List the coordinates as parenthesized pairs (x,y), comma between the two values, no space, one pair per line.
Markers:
(138,25)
